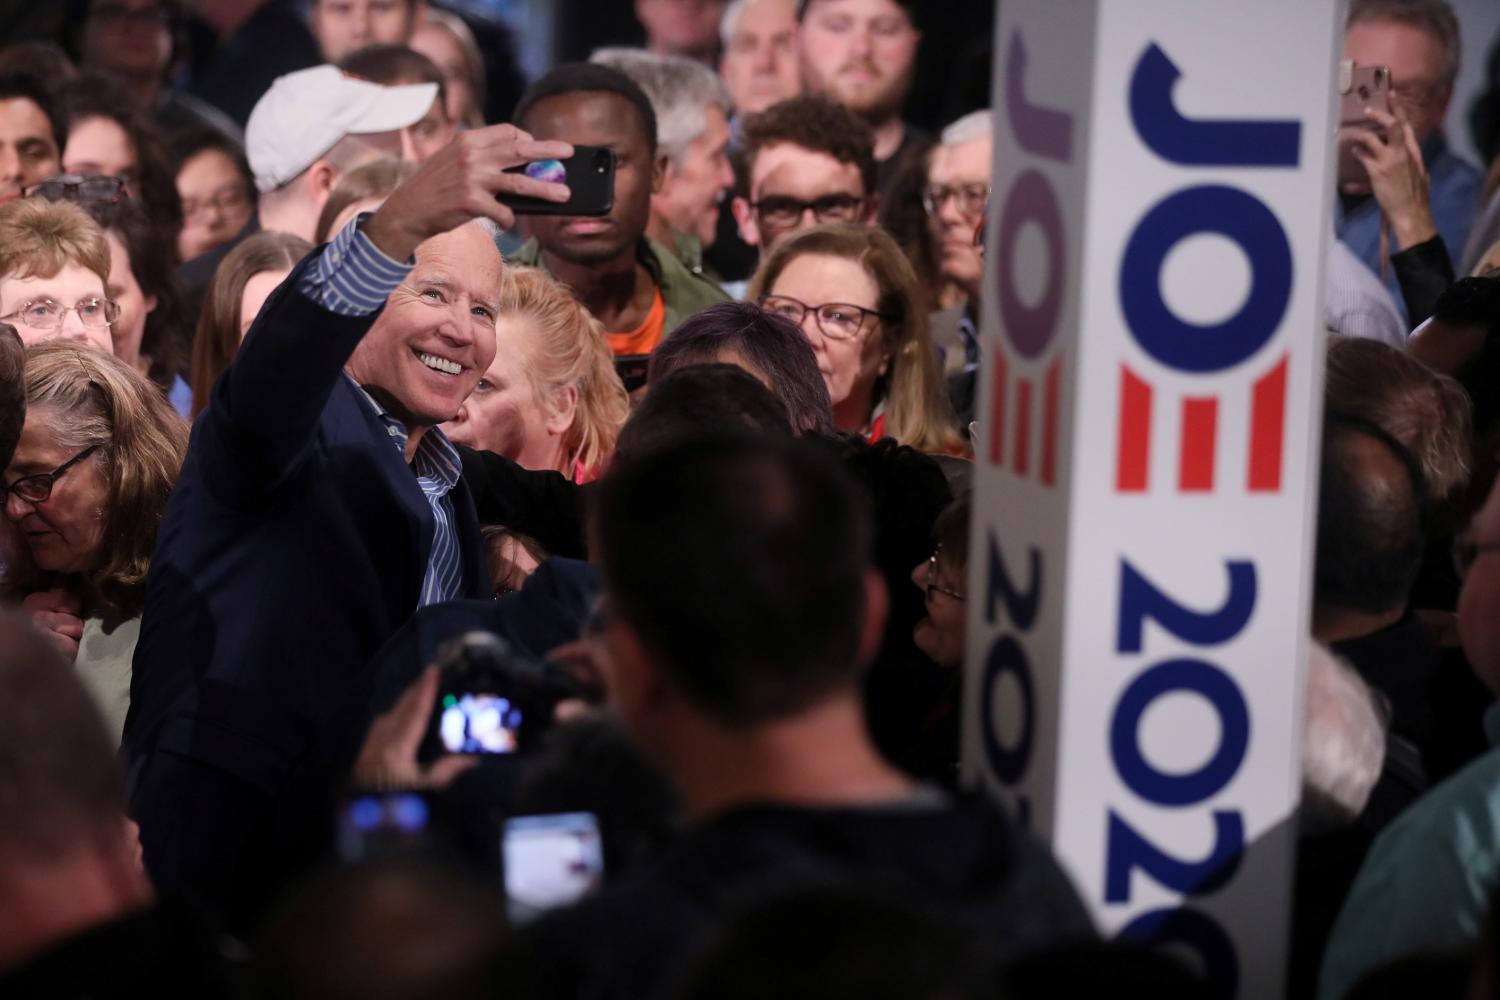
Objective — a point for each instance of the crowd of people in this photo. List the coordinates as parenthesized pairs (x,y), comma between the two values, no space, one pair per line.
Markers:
(413,587)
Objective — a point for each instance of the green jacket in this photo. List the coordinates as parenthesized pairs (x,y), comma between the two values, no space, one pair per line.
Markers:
(682,292)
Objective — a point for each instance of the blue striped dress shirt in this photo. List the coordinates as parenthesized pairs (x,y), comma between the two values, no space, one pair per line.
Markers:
(353,278)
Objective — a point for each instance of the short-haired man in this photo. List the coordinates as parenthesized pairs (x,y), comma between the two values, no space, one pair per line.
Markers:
(398,65)
(77,913)
(318,507)
(692,131)
(342,26)
(754,713)
(803,161)
(954,197)
(1419,41)
(1426,885)
(759,64)
(686,28)
(32,135)
(636,287)
(863,54)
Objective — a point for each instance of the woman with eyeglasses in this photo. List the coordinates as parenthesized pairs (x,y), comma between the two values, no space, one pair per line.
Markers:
(54,272)
(854,295)
(85,490)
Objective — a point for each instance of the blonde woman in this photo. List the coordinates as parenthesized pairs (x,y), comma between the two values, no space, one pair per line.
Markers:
(551,400)
(85,490)
(854,295)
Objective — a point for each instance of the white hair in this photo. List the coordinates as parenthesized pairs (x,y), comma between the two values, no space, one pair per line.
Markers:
(680,91)
(974,125)
(730,21)
(1343,742)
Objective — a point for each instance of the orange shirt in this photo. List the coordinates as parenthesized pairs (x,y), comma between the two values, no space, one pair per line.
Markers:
(644,338)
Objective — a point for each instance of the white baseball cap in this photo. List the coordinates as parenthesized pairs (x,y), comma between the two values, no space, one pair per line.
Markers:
(306,113)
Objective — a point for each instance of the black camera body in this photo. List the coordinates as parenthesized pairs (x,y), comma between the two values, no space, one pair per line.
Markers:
(491,699)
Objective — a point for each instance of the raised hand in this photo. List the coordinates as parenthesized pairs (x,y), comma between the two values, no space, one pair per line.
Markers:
(1398,178)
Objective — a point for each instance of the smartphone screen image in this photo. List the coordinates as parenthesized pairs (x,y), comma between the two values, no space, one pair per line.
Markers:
(382,822)
(478,722)
(550,861)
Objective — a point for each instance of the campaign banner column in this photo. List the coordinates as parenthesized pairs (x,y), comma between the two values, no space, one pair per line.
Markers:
(1150,399)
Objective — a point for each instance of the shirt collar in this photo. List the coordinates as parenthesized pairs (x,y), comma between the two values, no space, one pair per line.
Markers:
(436,456)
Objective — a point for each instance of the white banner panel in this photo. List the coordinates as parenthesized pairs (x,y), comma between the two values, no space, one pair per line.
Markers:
(1146,467)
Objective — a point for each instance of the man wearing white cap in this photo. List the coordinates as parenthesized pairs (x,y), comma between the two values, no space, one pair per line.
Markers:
(318,507)
(314,126)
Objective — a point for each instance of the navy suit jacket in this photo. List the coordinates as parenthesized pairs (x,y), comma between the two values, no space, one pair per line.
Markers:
(293,547)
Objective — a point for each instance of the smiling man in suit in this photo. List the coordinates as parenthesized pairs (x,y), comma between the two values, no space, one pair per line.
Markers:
(318,507)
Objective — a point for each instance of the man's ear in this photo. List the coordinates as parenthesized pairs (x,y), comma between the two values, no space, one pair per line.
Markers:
(636,684)
(744,217)
(877,608)
(659,168)
(321,177)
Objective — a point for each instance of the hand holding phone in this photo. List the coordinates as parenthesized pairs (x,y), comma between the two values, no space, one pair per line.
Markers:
(1360,87)
(589,174)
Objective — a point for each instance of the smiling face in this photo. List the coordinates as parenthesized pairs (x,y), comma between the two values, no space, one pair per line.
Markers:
(135,305)
(67,287)
(860,53)
(597,118)
(850,368)
(695,183)
(940,634)
(65,531)
(505,415)
(436,337)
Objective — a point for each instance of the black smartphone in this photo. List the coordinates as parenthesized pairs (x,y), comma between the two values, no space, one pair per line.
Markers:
(632,369)
(550,861)
(589,174)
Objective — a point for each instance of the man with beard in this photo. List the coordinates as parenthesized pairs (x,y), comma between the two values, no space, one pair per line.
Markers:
(637,288)
(862,53)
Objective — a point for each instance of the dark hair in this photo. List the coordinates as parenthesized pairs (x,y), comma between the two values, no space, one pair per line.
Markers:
(1427,412)
(41,60)
(698,399)
(1370,543)
(94,96)
(402,926)
(951,531)
(164,341)
(200,139)
(12,391)
(61,787)
(814,123)
(841,942)
(15,86)
(389,65)
(580,77)
(1476,302)
(771,347)
(740,563)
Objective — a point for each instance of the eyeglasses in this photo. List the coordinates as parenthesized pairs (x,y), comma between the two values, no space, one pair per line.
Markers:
(969,198)
(838,320)
(932,574)
(225,202)
(105,188)
(1466,551)
(45,314)
(37,488)
(780,212)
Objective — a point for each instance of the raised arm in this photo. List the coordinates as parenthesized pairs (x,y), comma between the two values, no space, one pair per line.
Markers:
(265,408)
